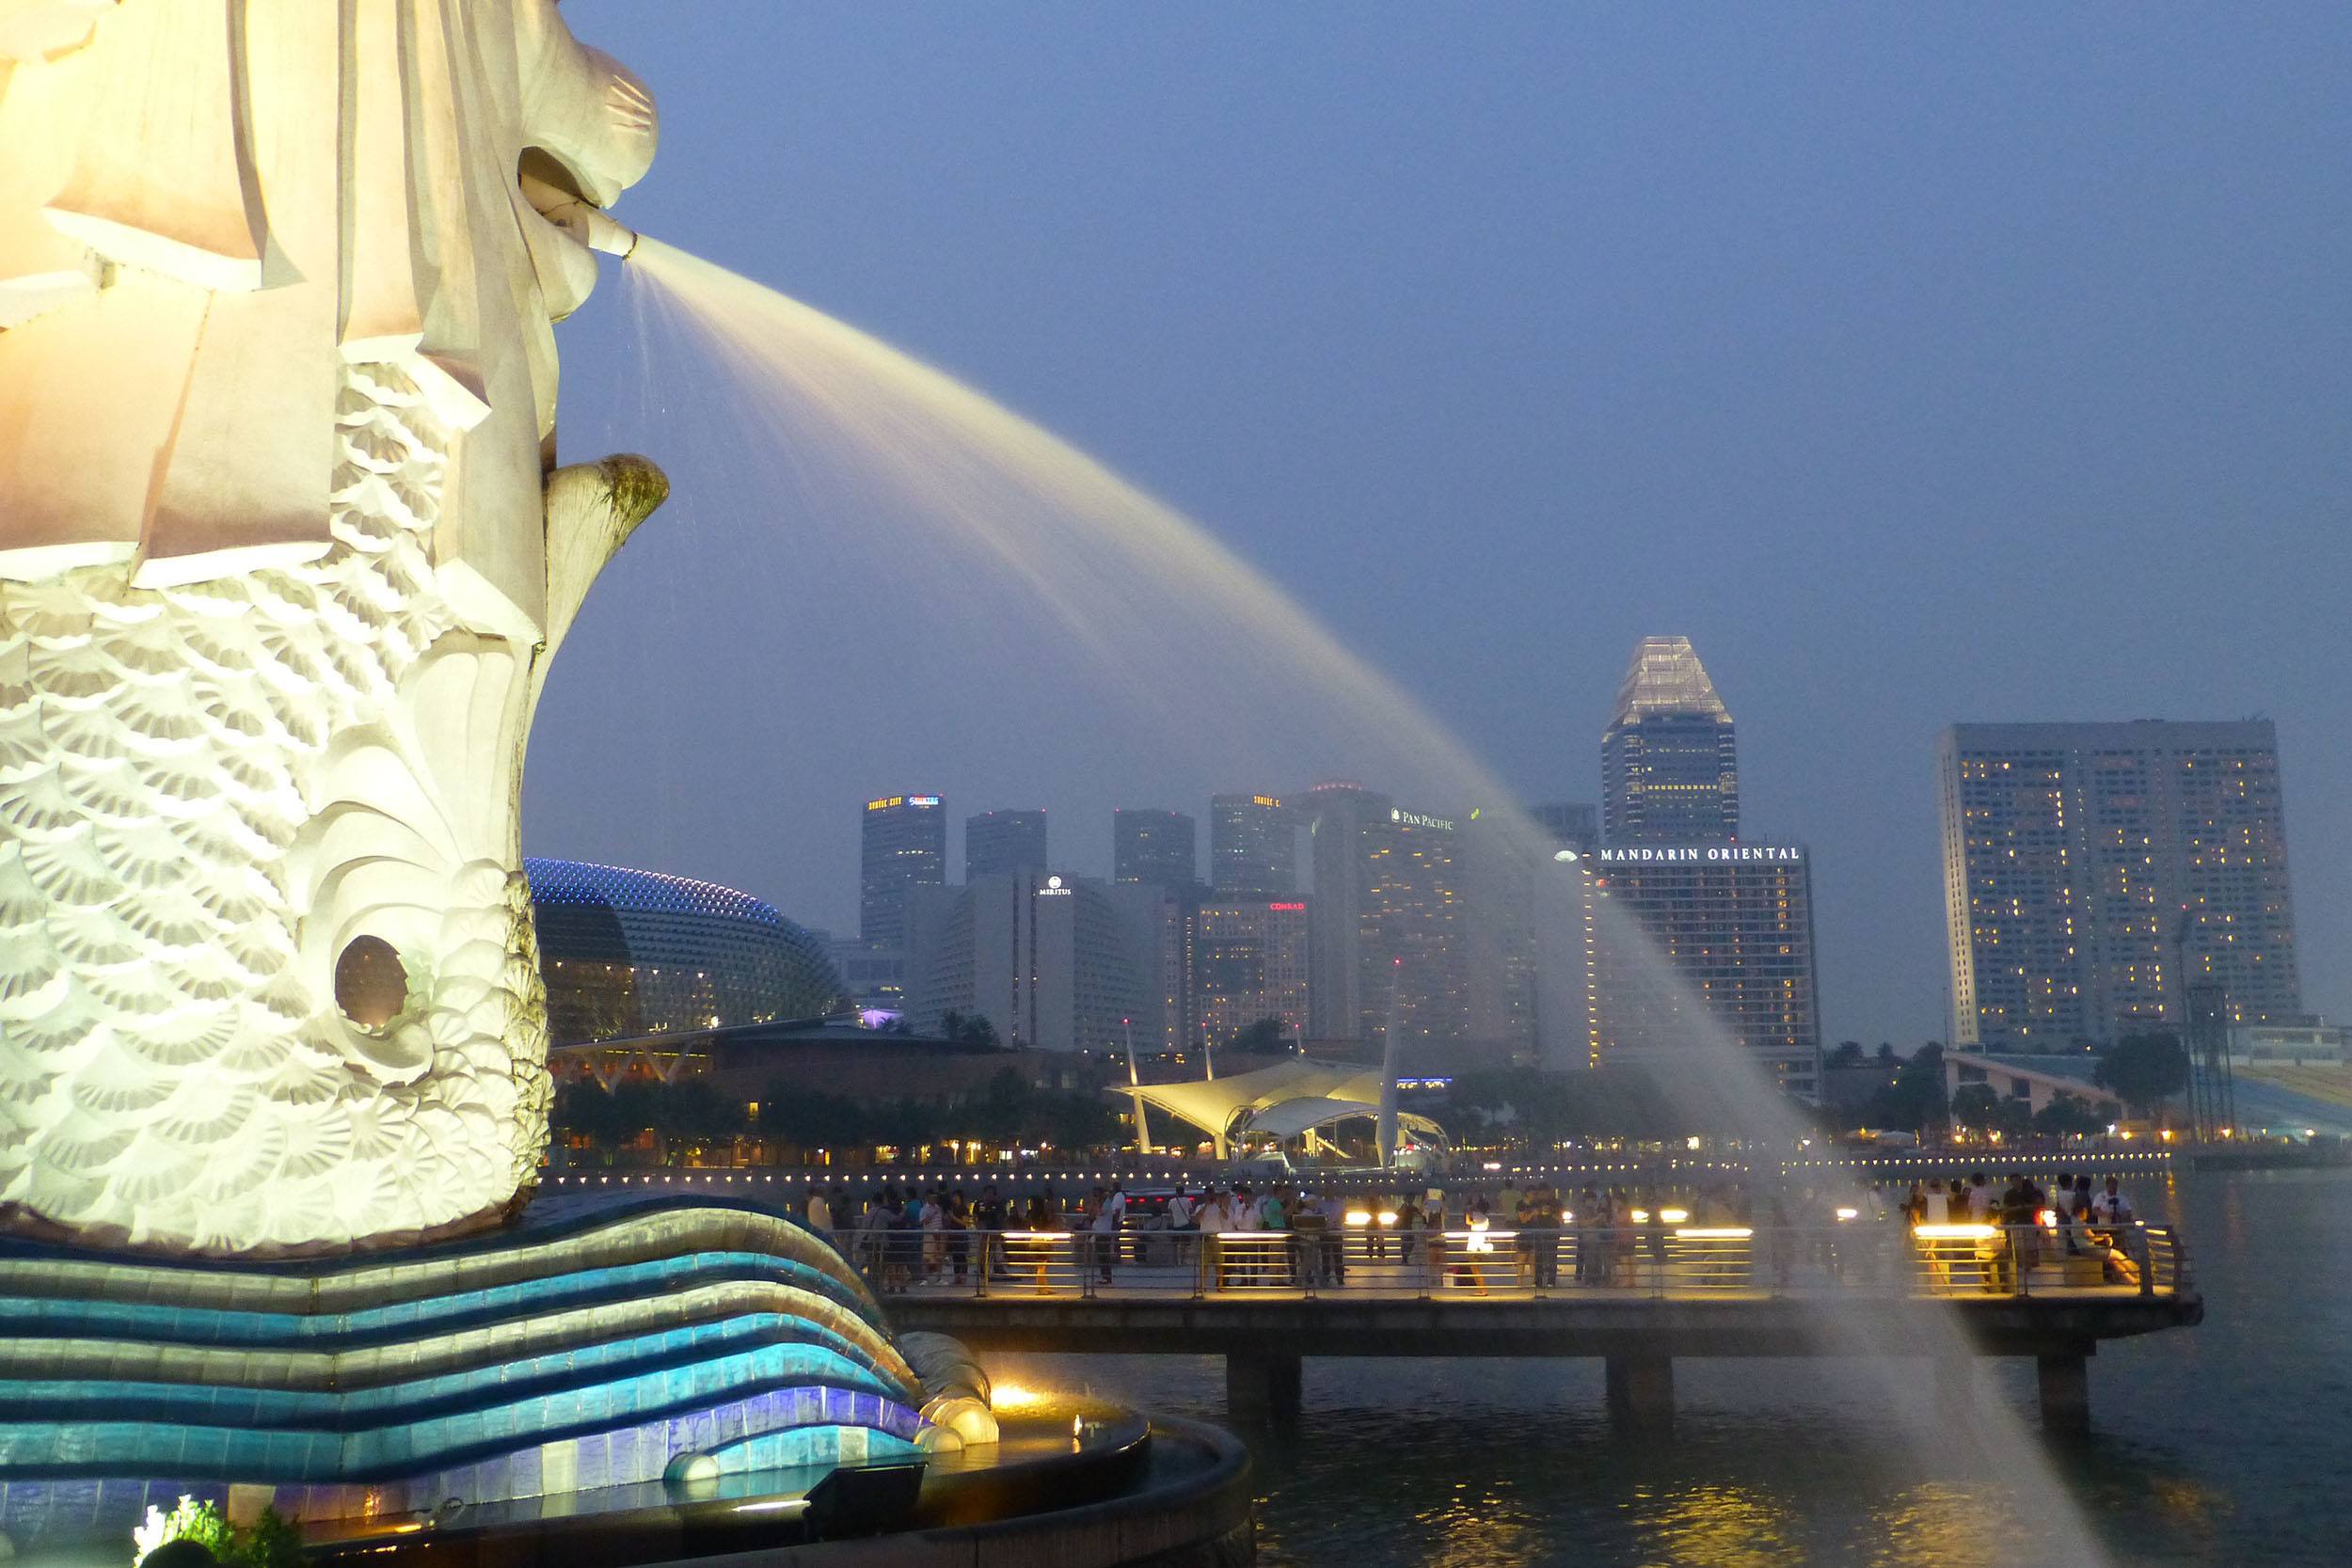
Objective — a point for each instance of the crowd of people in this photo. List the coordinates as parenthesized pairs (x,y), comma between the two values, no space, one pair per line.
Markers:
(901,1237)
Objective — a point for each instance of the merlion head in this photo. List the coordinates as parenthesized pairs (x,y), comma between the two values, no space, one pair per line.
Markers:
(283,558)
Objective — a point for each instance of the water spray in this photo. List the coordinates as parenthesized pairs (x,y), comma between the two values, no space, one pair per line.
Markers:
(593,227)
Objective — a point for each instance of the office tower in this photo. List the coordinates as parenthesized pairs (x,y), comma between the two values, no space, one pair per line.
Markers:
(904,844)
(1049,960)
(1572,824)
(1504,855)
(1160,848)
(999,843)
(1706,943)
(1386,926)
(1253,846)
(2085,865)
(1669,773)
(1249,962)
(1566,936)
(1156,923)
(1339,820)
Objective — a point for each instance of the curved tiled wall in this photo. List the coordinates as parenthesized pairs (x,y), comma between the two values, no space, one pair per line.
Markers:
(552,1358)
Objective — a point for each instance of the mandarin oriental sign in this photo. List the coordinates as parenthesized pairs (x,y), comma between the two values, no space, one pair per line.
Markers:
(1704,854)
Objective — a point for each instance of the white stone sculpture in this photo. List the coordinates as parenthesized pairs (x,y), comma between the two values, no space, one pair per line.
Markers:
(282,567)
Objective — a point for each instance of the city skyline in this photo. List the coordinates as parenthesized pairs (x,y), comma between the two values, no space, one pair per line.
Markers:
(1906,413)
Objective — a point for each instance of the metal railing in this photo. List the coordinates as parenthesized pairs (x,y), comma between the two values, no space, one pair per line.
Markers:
(1658,1261)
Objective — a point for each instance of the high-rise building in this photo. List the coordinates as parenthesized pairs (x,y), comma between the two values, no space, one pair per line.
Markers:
(1249,962)
(1707,943)
(1049,960)
(1338,817)
(2086,865)
(1386,930)
(1161,847)
(1253,846)
(1572,824)
(1527,920)
(999,843)
(1158,926)
(1503,858)
(904,844)
(1669,770)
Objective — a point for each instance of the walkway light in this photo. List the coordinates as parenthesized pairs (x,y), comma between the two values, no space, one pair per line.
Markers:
(1847,1214)
(1675,1216)
(1640,1216)
(1713,1233)
(1359,1216)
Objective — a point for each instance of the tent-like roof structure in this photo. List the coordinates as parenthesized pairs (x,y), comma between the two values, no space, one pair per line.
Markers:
(1282,1100)
(1292,1117)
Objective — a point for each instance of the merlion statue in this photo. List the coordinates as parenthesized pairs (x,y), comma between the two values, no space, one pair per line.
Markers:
(283,558)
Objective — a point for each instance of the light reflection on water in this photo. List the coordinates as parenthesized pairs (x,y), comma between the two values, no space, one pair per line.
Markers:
(2223,1446)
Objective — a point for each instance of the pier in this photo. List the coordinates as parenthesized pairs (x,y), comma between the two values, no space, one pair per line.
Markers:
(1267,1301)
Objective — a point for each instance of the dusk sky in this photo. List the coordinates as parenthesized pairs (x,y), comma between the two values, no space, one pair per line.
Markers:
(1920,364)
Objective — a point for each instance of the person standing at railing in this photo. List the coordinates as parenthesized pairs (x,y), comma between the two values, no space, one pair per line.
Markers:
(1430,1221)
(2128,1260)
(1539,1235)
(1108,1214)
(1214,1218)
(930,1220)
(1980,1198)
(1181,1232)
(2021,1211)
(958,1237)
(1477,1247)
(874,1249)
(1334,1212)
(988,1228)
(1308,1232)
(820,1213)
(1274,1214)
(1590,1235)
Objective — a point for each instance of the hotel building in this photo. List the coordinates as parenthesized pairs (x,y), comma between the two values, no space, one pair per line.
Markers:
(903,843)
(2090,869)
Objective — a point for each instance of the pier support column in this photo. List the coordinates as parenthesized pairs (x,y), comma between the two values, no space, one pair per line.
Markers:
(2064,1381)
(1262,1390)
(1641,1391)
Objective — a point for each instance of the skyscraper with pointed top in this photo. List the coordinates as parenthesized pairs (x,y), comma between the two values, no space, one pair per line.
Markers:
(1670,772)
(1717,944)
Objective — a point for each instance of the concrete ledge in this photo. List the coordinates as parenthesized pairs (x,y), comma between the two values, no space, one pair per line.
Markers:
(1337,1326)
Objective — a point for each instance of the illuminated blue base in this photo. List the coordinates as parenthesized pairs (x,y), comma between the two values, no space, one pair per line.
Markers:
(550,1358)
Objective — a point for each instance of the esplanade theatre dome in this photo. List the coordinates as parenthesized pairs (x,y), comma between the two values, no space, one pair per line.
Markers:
(629,952)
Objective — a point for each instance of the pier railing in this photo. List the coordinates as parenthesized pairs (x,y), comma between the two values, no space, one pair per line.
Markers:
(1662,1260)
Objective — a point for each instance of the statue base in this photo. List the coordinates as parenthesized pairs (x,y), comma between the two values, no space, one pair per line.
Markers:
(557,1356)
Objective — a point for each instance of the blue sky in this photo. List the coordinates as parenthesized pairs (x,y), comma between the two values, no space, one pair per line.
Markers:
(1921,364)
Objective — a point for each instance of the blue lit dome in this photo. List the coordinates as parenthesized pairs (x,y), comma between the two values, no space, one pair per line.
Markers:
(629,952)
